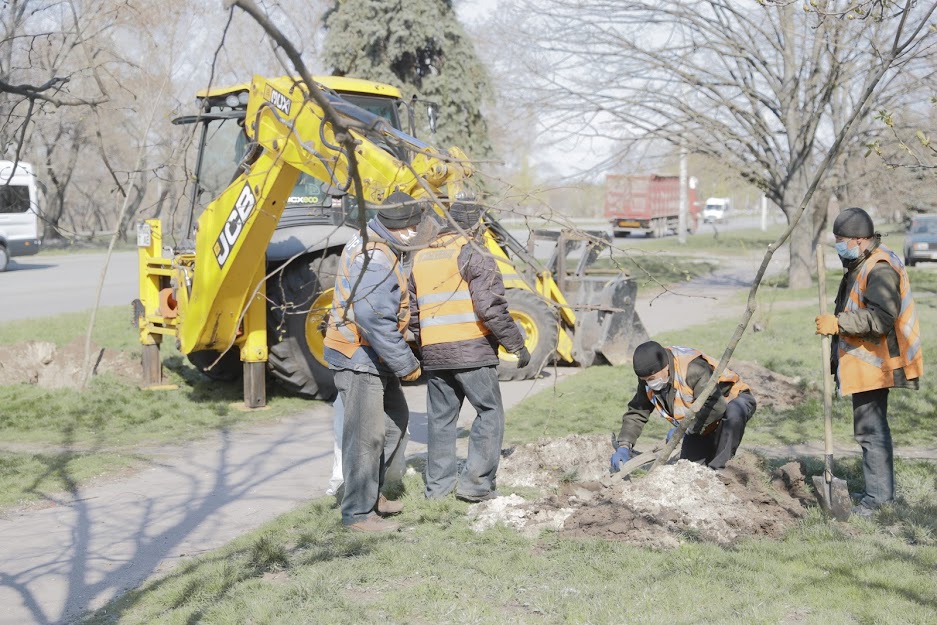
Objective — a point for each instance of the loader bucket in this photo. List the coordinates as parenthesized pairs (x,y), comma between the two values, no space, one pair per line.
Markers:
(608,328)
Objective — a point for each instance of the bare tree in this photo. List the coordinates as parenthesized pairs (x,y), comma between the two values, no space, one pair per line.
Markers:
(751,86)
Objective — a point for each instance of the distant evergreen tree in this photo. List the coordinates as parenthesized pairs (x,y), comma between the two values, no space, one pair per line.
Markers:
(420,47)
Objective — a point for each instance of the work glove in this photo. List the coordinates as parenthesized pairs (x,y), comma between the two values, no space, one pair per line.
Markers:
(523,357)
(620,457)
(670,434)
(827,324)
(414,375)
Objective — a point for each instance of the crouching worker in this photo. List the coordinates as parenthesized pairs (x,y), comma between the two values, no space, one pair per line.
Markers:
(365,345)
(669,380)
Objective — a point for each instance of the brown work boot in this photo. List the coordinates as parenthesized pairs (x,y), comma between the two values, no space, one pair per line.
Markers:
(386,507)
(374,524)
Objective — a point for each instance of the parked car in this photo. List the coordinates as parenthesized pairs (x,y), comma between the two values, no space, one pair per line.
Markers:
(920,243)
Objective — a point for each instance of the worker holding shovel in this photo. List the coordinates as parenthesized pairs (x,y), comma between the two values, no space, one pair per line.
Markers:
(876,345)
(669,379)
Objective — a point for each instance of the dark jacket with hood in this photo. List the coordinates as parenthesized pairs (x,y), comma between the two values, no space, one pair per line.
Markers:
(640,407)
(883,304)
(486,287)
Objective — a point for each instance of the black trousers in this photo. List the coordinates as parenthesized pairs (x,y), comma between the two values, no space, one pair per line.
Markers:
(717,448)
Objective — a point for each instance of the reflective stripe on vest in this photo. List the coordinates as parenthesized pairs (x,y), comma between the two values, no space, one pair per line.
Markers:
(865,364)
(447,314)
(342,333)
(683,392)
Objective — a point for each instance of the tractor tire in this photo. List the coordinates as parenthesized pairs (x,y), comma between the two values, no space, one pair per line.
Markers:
(4,258)
(300,299)
(228,369)
(540,328)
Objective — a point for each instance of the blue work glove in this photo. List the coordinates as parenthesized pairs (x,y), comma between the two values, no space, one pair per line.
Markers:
(620,457)
(670,435)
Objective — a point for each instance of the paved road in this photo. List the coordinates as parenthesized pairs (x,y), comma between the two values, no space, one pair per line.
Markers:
(43,285)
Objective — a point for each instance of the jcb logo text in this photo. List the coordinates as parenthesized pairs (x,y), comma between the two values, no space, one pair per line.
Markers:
(234,225)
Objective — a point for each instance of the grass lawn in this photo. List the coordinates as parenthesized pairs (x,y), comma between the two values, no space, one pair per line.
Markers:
(53,439)
(304,568)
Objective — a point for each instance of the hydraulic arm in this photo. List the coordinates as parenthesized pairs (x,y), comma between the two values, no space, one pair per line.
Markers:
(214,299)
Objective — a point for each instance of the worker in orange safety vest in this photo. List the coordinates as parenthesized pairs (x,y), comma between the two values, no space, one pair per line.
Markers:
(366,346)
(669,380)
(459,316)
(876,345)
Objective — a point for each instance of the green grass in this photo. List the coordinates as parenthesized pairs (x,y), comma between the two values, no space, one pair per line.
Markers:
(84,433)
(594,400)
(303,568)
(112,329)
(657,269)
(716,242)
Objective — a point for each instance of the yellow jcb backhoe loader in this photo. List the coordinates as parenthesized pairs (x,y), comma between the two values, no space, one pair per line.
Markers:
(255,284)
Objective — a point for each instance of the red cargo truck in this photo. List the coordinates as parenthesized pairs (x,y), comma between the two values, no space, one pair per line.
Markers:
(648,204)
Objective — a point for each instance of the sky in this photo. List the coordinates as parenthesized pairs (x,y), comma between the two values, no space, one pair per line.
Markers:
(567,157)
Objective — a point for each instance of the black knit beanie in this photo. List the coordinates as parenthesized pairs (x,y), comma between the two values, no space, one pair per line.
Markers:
(400,210)
(466,214)
(649,358)
(854,223)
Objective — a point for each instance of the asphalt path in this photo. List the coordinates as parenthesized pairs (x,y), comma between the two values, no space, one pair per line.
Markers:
(50,284)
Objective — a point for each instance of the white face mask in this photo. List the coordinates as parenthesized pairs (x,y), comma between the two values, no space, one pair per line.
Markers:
(657,385)
(405,236)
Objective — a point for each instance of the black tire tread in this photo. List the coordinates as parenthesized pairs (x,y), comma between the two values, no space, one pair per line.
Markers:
(291,293)
(545,317)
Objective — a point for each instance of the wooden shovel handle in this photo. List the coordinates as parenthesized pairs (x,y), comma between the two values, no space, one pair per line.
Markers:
(827,374)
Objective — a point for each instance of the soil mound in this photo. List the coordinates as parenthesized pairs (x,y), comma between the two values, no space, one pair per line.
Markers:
(771,389)
(679,502)
(42,363)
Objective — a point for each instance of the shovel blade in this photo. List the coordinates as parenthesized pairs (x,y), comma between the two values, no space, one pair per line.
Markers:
(833,497)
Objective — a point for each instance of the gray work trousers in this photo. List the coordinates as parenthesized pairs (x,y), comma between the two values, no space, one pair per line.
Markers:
(445,392)
(716,449)
(376,416)
(870,427)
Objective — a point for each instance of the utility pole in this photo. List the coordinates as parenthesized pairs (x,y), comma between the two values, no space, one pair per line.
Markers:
(764,212)
(681,227)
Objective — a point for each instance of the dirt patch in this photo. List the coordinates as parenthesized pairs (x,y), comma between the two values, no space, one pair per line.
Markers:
(771,389)
(42,363)
(678,502)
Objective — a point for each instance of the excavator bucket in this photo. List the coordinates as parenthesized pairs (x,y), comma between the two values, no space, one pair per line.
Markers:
(608,327)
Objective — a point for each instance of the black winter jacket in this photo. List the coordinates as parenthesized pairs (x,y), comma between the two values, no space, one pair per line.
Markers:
(640,407)
(486,287)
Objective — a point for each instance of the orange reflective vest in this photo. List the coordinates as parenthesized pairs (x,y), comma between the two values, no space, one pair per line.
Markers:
(342,333)
(683,392)
(446,311)
(865,363)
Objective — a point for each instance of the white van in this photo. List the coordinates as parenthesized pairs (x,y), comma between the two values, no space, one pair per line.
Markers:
(20,226)
(716,209)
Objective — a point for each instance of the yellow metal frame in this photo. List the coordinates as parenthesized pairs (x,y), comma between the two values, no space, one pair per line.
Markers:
(545,286)
(219,290)
(335,83)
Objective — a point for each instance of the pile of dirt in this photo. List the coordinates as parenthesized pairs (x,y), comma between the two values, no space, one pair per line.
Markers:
(678,502)
(771,389)
(42,363)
